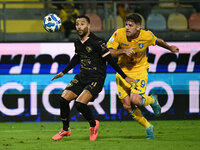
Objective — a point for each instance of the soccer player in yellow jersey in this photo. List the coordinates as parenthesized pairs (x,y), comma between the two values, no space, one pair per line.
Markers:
(130,45)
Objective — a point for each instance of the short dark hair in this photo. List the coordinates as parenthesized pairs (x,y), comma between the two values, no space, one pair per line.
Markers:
(83,16)
(134,18)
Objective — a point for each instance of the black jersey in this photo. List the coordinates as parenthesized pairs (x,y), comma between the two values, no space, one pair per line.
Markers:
(92,65)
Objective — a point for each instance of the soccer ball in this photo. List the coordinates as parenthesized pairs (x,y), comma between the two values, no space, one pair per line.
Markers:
(52,23)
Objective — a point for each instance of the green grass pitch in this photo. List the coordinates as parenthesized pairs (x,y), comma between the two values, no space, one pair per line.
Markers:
(113,135)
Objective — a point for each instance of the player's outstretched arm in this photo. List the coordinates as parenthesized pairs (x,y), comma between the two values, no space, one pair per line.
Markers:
(128,52)
(163,44)
(72,64)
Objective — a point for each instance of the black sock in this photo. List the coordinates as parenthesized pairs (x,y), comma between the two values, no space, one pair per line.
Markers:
(64,113)
(86,112)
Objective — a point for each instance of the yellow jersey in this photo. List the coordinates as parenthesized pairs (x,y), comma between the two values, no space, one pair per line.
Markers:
(139,61)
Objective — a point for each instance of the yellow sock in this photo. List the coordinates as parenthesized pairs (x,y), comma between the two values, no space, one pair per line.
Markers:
(147,100)
(137,116)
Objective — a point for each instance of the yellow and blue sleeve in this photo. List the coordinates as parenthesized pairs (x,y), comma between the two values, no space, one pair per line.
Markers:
(153,39)
(113,41)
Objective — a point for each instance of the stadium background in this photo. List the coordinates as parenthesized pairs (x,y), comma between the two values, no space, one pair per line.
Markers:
(30,57)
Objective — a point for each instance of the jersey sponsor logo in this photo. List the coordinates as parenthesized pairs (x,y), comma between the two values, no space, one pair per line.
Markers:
(141,45)
(124,44)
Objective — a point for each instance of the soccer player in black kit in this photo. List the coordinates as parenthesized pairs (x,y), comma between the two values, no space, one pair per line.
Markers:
(91,52)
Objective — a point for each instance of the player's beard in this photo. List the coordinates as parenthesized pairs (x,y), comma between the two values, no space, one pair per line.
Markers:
(132,35)
(84,32)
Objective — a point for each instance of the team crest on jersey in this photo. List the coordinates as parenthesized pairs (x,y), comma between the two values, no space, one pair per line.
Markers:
(141,45)
(88,48)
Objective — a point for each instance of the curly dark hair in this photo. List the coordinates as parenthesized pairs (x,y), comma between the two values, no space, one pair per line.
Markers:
(134,18)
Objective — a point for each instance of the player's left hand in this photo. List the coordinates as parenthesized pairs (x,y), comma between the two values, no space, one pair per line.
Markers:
(131,81)
(174,49)
(57,76)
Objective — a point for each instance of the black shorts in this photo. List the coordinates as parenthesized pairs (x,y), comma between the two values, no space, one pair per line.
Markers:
(77,85)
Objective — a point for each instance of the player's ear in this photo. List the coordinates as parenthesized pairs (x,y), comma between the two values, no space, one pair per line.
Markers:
(138,27)
(88,26)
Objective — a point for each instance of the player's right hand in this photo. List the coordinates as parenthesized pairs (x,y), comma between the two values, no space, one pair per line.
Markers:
(174,49)
(57,76)
(129,51)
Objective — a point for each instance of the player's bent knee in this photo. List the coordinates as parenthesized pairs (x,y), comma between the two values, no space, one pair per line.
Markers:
(136,99)
(68,95)
(65,98)
(65,94)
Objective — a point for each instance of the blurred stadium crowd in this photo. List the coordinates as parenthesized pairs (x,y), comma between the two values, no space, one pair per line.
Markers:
(172,20)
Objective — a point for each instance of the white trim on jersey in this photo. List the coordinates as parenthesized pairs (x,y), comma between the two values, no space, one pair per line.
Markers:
(104,55)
